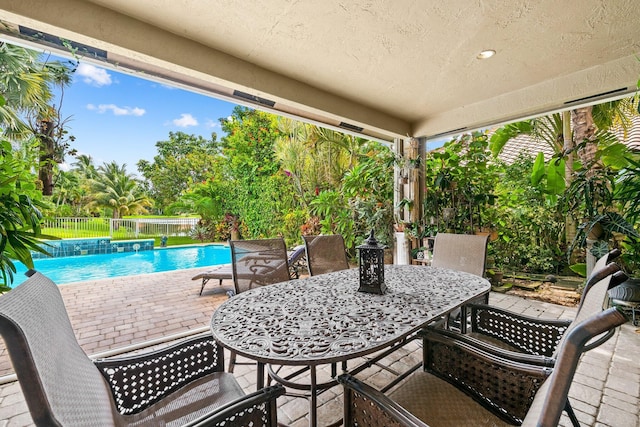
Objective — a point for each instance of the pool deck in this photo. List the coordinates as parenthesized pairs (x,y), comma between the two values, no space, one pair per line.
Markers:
(114,313)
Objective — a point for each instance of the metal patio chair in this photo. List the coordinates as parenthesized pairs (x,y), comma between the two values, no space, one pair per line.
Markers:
(534,340)
(462,386)
(462,252)
(184,384)
(257,263)
(325,254)
(222,272)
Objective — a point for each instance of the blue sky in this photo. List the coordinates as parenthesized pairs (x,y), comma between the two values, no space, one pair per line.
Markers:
(119,117)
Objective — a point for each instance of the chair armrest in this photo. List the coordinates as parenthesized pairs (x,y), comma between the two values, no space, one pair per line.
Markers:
(528,334)
(257,409)
(504,387)
(366,406)
(598,341)
(530,359)
(139,381)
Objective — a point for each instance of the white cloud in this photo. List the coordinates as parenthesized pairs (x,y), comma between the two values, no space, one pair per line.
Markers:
(93,75)
(212,124)
(185,121)
(117,111)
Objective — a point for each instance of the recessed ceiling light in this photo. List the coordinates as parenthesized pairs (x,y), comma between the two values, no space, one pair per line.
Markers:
(486,54)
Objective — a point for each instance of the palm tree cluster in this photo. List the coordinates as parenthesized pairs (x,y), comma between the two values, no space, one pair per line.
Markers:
(106,190)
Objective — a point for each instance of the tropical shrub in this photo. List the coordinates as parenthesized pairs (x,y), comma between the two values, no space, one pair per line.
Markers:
(369,189)
(460,181)
(530,228)
(591,198)
(20,215)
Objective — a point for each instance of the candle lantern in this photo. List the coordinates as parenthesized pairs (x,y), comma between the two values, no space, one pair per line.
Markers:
(371,266)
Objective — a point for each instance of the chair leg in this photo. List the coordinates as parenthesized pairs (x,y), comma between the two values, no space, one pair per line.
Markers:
(572,415)
(204,282)
(232,361)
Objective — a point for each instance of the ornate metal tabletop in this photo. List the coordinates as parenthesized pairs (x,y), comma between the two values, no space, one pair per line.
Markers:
(324,319)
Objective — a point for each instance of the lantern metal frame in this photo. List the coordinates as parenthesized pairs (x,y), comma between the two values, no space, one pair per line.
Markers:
(371,266)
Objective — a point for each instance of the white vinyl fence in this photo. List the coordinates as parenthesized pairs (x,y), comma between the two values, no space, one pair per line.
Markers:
(119,228)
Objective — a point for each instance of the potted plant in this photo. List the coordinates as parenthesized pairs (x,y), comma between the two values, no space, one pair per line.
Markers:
(495,275)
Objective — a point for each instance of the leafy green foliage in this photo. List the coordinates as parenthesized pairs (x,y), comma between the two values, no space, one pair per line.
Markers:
(580,269)
(529,226)
(20,215)
(459,185)
(182,161)
(595,196)
(501,136)
(628,187)
(549,177)
(259,191)
(369,189)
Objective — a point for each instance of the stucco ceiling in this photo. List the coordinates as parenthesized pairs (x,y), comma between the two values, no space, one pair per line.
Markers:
(393,68)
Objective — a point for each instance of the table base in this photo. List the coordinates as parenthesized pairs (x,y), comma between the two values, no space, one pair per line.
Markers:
(313,389)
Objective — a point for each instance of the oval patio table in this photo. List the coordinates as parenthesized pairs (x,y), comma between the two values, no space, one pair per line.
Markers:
(324,319)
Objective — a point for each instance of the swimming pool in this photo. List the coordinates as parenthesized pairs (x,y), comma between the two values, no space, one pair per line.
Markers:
(91,267)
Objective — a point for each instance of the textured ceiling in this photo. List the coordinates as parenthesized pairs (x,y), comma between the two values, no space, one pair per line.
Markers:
(393,68)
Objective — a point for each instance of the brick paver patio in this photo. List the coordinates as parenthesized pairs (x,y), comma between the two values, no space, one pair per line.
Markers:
(114,313)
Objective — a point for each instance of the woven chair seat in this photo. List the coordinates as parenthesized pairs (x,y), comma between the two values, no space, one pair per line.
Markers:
(493,341)
(190,402)
(429,398)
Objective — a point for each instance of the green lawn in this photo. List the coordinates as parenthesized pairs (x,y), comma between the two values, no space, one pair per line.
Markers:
(99,227)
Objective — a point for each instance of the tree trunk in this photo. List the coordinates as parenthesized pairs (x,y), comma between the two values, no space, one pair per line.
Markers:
(571,227)
(584,130)
(47,157)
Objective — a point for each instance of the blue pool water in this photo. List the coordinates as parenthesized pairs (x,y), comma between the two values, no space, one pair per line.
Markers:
(91,267)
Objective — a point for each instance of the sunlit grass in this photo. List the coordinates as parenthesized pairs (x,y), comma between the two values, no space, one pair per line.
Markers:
(99,227)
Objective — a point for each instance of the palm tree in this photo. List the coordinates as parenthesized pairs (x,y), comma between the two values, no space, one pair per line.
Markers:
(85,167)
(113,188)
(317,158)
(574,133)
(27,83)
(67,188)
(23,86)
